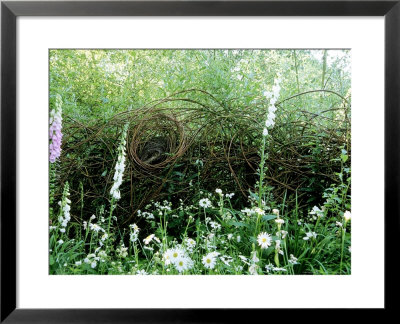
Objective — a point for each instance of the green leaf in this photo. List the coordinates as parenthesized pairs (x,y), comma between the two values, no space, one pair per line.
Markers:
(268,217)
(238,224)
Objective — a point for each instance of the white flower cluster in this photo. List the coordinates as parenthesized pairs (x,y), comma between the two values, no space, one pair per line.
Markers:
(253,266)
(133,236)
(317,212)
(92,259)
(65,216)
(119,166)
(96,228)
(178,258)
(282,234)
(145,214)
(278,247)
(273,98)
(293,260)
(151,237)
(122,251)
(166,206)
(205,203)
(254,210)
(310,235)
(215,225)
(190,244)
(270,267)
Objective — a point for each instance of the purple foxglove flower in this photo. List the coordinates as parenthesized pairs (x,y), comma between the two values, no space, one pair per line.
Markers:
(55,134)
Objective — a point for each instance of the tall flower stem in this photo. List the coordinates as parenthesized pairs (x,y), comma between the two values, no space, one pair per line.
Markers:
(110,216)
(261,182)
(342,245)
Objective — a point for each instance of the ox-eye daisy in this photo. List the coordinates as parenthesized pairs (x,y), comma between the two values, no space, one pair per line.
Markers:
(209,260)
(264,240)
(181,263)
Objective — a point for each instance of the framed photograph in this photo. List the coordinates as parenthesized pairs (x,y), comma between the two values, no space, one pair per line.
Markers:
(165,160)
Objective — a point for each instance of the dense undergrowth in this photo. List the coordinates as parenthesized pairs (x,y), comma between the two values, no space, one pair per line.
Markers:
(199,162)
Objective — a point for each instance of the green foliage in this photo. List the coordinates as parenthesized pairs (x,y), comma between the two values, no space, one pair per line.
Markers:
(294,184)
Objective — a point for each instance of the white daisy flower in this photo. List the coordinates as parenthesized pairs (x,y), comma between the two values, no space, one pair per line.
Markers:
(176,254)
(148,239)
(264,240)
(209,260)
(181,263)
(167,257)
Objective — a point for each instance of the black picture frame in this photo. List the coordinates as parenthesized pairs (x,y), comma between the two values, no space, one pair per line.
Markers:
(10,10)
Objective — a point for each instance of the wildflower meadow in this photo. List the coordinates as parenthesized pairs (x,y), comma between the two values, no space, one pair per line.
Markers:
(200,162)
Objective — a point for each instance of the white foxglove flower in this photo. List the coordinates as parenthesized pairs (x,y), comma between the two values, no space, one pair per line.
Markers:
(119,166)
(273,98)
